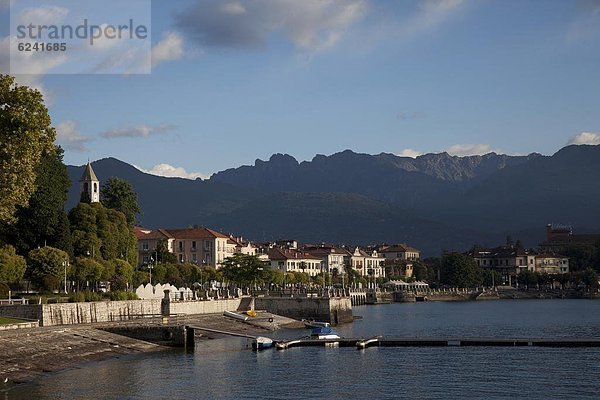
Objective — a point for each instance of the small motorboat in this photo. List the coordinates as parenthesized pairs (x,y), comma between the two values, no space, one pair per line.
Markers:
(310,324)
(261,343)
(234,315)
(324,332)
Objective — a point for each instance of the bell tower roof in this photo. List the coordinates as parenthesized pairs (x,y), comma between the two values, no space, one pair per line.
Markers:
(88,174)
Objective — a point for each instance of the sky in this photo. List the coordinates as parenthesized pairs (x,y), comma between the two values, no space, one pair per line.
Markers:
(232,81)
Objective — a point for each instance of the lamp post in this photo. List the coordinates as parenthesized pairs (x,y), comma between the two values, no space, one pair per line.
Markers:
(65,265)
(150,266)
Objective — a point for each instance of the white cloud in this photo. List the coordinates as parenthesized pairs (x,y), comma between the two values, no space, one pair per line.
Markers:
(139,131)
(172,172)
(44,15)
(586,25)
(410,153)
(462,150)
(585,138)
(310,25)
(168,49)
(68,135)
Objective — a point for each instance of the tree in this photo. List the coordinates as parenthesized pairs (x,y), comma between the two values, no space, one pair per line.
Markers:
(119,195)
(590,278)
(25,134)
(528,278)
(492,277)
(44,264)
(42,222)
(460,270)
(86,270)
(163,254)
(102,233)
(244,269)
(12,266)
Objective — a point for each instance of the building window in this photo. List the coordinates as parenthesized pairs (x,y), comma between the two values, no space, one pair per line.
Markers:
(194,259)
(193,245)
(180,245)
(181,257)
(145,246)
(145,259)
(95,187)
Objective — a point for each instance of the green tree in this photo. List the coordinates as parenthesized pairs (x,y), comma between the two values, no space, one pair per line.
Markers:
(102,233)
(244,269)
(12,266)
(528,278)
(46,265)
(42,221)
(163,254)
(86,271)
(119,195)
(123,269)
(25,135)
(491,277)
(590,278)
(460,270)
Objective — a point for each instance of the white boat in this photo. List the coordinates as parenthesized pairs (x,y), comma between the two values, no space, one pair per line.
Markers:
(324,333)
(310,324)
(262,342)
(231,314)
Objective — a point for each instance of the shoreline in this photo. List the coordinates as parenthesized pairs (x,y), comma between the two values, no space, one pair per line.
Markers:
(30,353)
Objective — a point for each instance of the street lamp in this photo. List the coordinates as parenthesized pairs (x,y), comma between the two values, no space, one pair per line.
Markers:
(150,266)
(65,265)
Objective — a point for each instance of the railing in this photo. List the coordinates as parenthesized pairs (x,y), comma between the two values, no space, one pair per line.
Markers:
(11,302)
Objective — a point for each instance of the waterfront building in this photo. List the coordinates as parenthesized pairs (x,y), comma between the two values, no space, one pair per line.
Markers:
(561,237)
(551,264)
(201,246)
(292,260)
(367,264)
(399,252)
(510,261)
(332,257)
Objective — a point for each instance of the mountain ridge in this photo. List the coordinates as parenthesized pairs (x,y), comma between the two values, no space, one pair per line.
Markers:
(434,201)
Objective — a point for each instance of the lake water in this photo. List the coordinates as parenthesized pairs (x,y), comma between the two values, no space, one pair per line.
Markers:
(227,369)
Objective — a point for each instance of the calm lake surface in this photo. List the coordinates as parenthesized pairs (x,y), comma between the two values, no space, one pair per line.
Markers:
(227,369)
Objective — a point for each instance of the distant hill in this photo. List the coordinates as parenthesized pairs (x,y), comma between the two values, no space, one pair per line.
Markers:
(434,201)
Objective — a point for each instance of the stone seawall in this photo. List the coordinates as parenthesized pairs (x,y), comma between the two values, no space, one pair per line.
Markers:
(22,311)
(205,307)
(333,310)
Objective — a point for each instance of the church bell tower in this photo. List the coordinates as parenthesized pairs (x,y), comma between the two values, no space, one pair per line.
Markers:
(89,185)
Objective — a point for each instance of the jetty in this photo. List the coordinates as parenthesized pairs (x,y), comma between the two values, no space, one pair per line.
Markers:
(362,343)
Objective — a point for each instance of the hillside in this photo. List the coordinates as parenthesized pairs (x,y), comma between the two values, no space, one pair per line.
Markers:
(434,201)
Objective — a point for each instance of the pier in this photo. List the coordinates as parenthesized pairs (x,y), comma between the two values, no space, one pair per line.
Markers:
(440,342)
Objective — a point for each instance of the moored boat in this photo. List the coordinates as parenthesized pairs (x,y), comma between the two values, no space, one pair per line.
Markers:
(261,343)
(310,324)
(324,332)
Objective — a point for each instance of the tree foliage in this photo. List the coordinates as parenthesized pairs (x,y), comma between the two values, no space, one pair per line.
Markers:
(42,222)
(12,266)
(244,269)
(119,195)
(25,134)
(102,233)
(46,265)
(460,270)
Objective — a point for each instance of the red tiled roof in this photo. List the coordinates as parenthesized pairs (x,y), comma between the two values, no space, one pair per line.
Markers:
(399,248)
(288,254)
(195,233)
(141,233)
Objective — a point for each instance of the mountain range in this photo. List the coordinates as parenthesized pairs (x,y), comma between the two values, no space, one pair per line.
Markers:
(433,202)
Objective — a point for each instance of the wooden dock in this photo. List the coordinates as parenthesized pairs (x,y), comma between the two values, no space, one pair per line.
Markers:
(440,342)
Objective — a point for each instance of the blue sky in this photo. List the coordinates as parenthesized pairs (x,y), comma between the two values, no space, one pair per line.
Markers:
(233,81)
